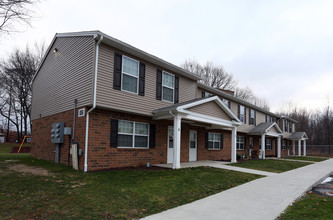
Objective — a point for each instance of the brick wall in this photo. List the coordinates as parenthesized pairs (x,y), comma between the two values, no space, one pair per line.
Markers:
(102,156)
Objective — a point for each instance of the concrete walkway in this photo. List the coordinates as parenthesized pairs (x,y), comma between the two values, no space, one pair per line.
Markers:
(218,164)
(264,198)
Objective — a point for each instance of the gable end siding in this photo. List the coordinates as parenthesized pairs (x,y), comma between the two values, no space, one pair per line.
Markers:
(211,109)
(64,76)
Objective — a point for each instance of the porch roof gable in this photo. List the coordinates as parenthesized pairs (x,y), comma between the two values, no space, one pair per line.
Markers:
(301,135)
(264,127)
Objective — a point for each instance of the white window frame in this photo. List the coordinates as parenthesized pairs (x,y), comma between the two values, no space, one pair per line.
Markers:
(284,145)
(268,144)
(238,143)
(173,89)
(213,141)
(122,73)
(133,135)
(254,117)
(240,113)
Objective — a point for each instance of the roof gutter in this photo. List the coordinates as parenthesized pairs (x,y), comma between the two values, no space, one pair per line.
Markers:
(94,106)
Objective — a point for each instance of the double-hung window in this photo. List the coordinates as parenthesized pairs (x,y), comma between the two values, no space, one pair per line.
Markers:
(242,113)
(133,134)
(268,144)
(252,117)
(168,84)
(240,143)
(284,147)
(130,75)
(214,140)
(286,125)
(268,118)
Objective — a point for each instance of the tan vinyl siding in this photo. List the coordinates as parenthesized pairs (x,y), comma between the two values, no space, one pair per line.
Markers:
(107,97)
(261,117)
(64,76)
(273,130)
(211,109)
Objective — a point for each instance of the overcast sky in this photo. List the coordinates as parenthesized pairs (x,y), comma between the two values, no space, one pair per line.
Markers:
(282,50)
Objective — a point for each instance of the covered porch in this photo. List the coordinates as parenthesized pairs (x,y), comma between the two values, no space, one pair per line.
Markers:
(210,113)
(299,137)
(264,130)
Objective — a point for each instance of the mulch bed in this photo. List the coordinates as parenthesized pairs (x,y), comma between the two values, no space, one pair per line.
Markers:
(23,150)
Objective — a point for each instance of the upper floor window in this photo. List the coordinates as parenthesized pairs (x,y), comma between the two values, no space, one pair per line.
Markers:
(132,134)
(130,75)
(268,118)
(214,141)
(240,143)
(226,102)
(168,84)
(286,125)
(268,144)
(290,127)
(252,117)
(273,119)
(242,113)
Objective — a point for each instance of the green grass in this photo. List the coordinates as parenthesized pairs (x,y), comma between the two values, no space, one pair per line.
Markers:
(276,166)
(311,206)
(315,159)
(117,194)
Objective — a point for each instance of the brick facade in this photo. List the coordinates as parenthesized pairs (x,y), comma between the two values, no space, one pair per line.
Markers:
(102,156)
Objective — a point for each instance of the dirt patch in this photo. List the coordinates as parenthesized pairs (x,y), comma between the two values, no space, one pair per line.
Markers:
(29,170)
(10,161)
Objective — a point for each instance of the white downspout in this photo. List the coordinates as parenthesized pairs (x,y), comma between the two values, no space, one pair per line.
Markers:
(90,110)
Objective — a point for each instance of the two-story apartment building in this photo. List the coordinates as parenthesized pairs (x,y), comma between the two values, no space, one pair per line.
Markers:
(126,107)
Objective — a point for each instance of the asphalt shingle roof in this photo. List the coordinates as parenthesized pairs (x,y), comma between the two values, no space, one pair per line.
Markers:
(262,127)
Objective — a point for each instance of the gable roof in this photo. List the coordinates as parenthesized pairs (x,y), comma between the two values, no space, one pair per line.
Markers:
(184,106)
(235,99)
(263,127)
(120,45)
(298,135)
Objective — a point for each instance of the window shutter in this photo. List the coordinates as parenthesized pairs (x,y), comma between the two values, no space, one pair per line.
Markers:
(244,115)
(117,71)
(206,140)
(238,111)
(255,118)
(159,84)
(202,94)
(142,79)
(229,104)
(176,89)
(221,141)
(114,133)
(152,135)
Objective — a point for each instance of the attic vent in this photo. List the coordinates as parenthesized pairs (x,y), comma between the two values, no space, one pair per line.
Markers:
(81,112)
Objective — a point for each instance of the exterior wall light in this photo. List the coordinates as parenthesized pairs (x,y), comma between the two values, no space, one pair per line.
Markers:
(55,50)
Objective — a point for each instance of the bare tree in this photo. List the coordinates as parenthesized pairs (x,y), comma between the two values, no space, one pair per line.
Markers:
(211,75)
(248,95)
(15,75)
(13,12)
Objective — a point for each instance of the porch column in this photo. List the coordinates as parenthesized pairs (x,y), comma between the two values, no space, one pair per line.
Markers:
(304,148)
(263,146)
(279,147)
(233,145)
(299,148)
(176,138)
(294,148)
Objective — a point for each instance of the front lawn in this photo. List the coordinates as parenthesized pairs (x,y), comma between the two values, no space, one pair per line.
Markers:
(315,159)
(311,206)
(270,165)
(117,194)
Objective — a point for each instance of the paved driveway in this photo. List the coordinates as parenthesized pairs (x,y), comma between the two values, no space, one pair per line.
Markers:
(264,198)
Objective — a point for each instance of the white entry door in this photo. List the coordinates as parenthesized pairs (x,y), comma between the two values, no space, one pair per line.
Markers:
(170,145)
(193,146)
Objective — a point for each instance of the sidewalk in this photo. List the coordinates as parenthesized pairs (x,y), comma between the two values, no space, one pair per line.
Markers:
(264,198)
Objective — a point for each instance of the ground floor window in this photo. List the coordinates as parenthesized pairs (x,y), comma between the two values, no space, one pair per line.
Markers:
(284,147)
(268,144)
(214,141)
(240,143)
(133,134)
